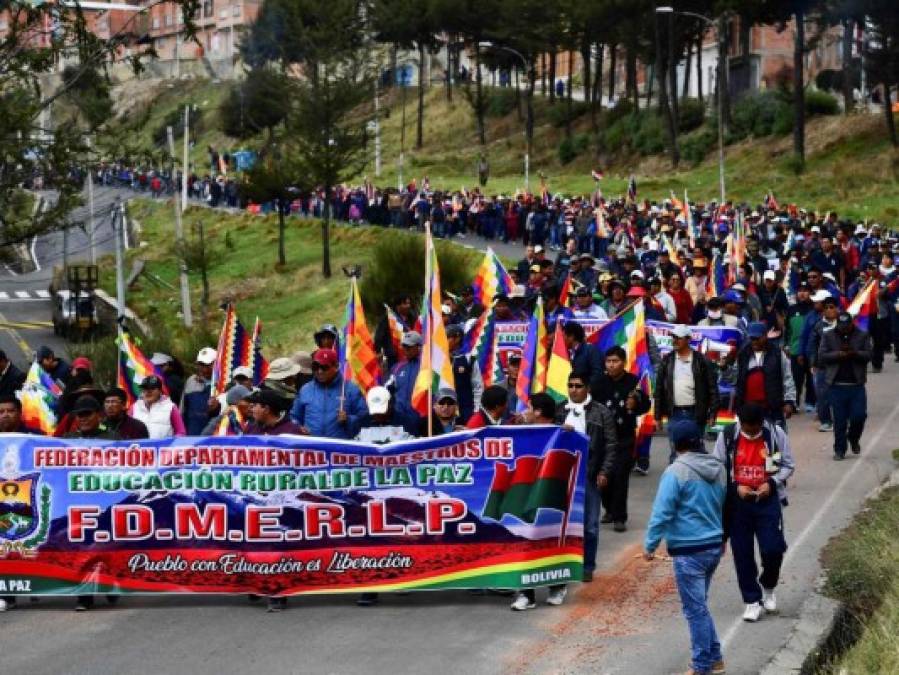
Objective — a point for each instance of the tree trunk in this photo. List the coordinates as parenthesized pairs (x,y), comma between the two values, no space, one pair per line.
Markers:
(848,103)
(588,81)
(688,61)
(799,88)
(672,73)
(553,58)
(518,95)
(543,74)
(631,75)
(664,107)
(613,66)
(326,235)
(569,97)
(448,68)
(419,127)
(596,102)
(888,111)
(479,95)
(721,79)
(282,258)
(699,68)
(529,125)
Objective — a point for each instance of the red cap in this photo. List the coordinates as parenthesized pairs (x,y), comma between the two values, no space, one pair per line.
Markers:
(325,357)
(636,292)
(82,363)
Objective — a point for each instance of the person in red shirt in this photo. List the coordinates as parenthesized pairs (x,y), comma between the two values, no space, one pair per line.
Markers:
(683,303)
(494,404)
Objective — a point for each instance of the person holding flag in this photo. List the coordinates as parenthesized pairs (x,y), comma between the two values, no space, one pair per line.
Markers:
(329,406)
(198,404)
(467,375)
(580,412)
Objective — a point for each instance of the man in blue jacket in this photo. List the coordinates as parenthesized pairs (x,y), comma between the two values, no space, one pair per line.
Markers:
(327,406)
(687,513)
(402,382)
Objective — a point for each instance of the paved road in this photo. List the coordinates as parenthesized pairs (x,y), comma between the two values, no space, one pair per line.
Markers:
(627,621)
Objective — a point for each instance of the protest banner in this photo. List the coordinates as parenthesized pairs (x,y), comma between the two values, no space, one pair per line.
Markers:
(499,507)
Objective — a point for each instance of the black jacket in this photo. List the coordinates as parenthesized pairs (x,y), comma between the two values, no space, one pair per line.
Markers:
(11,381)
(603,439)
(705,382)
(613,394)
(587,361)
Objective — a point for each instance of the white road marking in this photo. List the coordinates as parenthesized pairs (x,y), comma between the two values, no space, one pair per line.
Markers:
(10,270)
(42,293)
(3,295)
(823,510)
(37,264)
(23,294)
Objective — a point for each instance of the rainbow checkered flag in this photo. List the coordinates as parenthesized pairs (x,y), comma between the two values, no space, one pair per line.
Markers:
(436,370)
(235,349)
(358,357)
(491,280)
(534,344)
(133,367)
(40,400)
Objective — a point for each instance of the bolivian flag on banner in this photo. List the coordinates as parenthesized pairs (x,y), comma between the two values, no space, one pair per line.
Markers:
(533,483)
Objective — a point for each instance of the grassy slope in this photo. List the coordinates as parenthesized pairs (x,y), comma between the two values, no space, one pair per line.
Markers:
(851,167)
(863,572)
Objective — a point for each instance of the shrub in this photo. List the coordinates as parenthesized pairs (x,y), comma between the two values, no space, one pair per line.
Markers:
(570,148)
(783,121)
(558,114)
(691,114)
(694,147)
(623,108)
(820,103)
(760,114)
(649,135)
(501,102)
(398,266)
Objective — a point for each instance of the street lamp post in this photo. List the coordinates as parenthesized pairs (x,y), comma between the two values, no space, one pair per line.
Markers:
(529,125)
(718,26)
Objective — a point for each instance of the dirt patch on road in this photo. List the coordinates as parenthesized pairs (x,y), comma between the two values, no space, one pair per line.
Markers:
(625,602)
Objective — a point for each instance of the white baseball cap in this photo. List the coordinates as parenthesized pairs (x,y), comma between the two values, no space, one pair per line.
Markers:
(821,296)
(681,331)
(207,356)
(242,371)
(770,274)
(160,359)
(378,400)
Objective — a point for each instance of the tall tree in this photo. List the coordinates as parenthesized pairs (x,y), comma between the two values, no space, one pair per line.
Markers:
(881,52)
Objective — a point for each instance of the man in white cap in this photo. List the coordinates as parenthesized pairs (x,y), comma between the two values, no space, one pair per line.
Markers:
(378,428)
(774,301)
(172,372)
(198,405)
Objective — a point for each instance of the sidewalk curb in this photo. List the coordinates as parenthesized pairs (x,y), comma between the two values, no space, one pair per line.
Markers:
(817,618)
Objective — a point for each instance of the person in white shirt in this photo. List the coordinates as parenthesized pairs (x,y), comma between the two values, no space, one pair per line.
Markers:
(666,302)
(378,430)
(585,308)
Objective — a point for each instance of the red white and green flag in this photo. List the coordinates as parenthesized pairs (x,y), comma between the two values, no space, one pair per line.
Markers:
(531,484)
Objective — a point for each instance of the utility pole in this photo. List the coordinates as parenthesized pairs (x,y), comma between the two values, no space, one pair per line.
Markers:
(185,166)
(90,208)
(118,223)
(65,251)
(179,237)
(377,132)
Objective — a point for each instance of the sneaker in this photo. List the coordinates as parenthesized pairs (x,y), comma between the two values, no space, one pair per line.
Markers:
(876,369)
(620,527)
(753,612)
(6,605)
(838,458)
(825,426)
(642,466)
(718,668)
(769,602)
(856,447)
(809,408)
(367,599)
(82,606)
(557,596)
(588,576)
(522,602)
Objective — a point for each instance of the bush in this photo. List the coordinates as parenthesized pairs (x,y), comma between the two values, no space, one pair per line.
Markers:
(691,114)
(820,103)
(695,147)
(398,266)
(570,148)
(760,114)
(558,114)
(649,136)
(501,102)
(175,119)
(783,121)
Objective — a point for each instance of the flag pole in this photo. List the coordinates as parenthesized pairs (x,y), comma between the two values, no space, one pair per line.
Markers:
(571,484)
(428,324)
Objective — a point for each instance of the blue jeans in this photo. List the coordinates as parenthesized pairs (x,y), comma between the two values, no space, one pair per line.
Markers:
(822,391)
(591,524)
(693,575)
(850,409)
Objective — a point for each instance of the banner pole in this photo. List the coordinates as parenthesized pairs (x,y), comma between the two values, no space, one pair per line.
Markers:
(572,477)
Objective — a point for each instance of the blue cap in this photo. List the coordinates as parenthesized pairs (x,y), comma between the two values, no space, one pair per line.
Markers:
(757,329)
(733,296)
(685,432)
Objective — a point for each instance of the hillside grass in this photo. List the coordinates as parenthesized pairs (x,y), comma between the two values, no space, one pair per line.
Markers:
(850,166)
(291,301)
(863,573)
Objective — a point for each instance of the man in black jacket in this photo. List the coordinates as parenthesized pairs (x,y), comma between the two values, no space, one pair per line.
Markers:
(582,413)
(11,378)
(585,358)
(619,391)
(764,376)
(844,354)
(686,385)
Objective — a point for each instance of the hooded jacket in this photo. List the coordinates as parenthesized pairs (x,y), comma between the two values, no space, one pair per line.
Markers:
(689,505)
